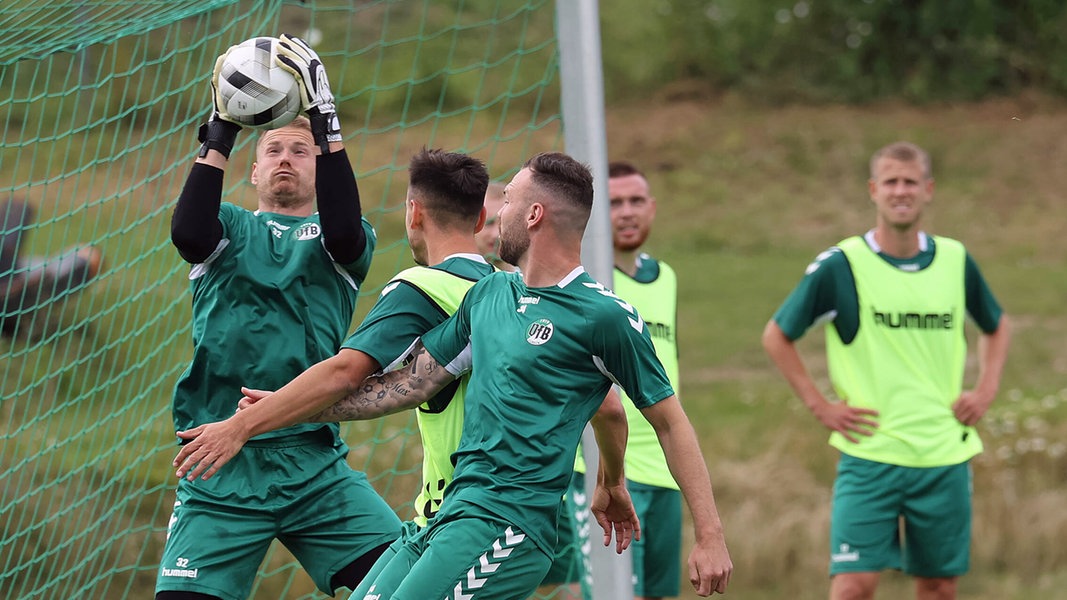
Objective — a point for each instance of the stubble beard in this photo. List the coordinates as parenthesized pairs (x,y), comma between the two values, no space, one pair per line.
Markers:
(511,250)
(630,244)
(287,195)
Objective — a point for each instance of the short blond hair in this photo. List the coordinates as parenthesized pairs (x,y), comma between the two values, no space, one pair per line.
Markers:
(904,152)
(300,122)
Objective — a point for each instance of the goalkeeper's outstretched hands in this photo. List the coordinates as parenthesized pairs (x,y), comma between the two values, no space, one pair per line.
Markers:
(297,57)
(220,131)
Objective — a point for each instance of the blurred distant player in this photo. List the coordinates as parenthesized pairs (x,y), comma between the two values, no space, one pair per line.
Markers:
(895,301)
(29,283)
(651,286)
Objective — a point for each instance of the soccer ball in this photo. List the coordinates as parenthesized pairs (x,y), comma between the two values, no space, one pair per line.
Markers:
(253,90)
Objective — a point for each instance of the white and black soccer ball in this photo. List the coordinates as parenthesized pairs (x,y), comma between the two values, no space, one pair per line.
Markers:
(254,90)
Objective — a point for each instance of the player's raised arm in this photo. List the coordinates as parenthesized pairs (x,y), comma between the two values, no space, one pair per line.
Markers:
(195,229)
(336,191)
(297,57)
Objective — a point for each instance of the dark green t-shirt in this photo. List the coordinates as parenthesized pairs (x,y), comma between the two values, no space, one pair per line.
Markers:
(267,304)
(541,362)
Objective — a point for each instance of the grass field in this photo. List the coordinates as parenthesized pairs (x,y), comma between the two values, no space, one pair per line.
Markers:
(748,195)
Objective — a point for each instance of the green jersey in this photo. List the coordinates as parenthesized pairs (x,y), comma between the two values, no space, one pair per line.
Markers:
(412,303)
(541,361)
(653,291)
(267,304)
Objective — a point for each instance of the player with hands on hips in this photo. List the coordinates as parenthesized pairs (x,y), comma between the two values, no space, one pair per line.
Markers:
(894,303)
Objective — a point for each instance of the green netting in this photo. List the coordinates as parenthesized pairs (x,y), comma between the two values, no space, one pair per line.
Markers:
(99,102)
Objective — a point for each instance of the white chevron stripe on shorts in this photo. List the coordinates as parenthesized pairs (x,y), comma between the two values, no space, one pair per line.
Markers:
(488,563)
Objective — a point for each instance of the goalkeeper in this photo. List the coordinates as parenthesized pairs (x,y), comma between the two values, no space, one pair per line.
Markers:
(273,293)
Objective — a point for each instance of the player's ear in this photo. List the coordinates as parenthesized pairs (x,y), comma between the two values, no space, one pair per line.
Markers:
(480,225)
(415,213)
(534,214)
(253,177)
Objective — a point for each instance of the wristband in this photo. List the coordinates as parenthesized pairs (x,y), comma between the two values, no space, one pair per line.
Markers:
(217,135)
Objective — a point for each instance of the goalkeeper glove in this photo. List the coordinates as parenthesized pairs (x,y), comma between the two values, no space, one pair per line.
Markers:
(295,56)
(219,133)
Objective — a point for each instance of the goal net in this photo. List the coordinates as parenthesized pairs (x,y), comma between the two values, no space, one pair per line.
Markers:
(99,105)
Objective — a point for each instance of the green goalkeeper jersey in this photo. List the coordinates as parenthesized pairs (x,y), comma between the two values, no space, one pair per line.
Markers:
(267,304)
(541,361)
(412,303)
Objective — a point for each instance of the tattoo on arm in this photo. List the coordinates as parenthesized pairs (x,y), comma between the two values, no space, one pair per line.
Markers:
(398,390)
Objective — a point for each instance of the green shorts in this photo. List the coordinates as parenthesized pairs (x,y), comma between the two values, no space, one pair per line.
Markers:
(657,556)
(572,535)
(891,517)
(298,489)
(408,530)
(470,553)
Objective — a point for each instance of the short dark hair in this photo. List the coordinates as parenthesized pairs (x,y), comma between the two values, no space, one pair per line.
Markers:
(623,168)
(563,177)
(451,185)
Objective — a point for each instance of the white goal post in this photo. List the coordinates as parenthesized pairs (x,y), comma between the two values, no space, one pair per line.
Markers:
(582,90)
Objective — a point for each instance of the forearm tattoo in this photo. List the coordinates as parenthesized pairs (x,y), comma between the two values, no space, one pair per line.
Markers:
(381,395)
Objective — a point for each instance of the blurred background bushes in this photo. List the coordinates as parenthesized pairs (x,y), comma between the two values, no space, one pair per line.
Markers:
(815,51)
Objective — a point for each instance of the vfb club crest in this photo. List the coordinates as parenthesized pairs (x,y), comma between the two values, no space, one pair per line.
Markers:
(308,231)
(539,332)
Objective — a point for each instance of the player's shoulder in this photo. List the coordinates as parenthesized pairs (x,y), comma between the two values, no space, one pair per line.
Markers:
(598,301)
(831,259)
(493,282)
(471,267)
(952,244)
(229,209)
(663,270)
(650,269)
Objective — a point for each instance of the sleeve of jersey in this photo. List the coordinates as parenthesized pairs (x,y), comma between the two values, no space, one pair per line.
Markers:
(394,323)
(982,306)
(195,229)
(629,357)
(814,296)
(340,212)
(450,342)
(361,266)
